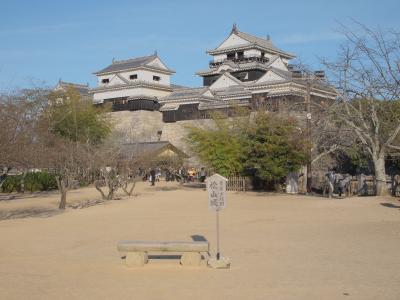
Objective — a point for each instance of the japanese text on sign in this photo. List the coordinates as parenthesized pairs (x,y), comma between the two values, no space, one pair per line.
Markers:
(216,187)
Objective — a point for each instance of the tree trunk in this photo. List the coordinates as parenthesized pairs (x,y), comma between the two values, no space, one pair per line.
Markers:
(129,193)
(63,191)
(380,175)
(110,190)
(23,181)
(98,187)
(110,185)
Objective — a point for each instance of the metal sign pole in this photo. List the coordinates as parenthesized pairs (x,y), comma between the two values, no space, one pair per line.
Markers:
(218,254)
(216,187)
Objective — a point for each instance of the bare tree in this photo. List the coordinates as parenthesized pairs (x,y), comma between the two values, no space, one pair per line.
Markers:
(70,132)
(19,113)
(367,77)
(115,170)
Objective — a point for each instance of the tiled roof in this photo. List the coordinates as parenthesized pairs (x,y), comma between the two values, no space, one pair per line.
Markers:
(186,93)
(133,84)
(286,74)
(178,86)
(83,89)
(135,150)
(120,65)
(239,66)
(232,91)
(254,41)
(265,43)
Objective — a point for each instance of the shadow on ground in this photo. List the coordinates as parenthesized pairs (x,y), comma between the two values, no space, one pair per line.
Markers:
(390,205)
(29,213)
(162,188)
(16,196)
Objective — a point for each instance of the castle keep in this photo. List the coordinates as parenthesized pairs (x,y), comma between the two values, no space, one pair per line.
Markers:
(245,71)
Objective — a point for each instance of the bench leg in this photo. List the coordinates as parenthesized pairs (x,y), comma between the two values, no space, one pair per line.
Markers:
(136,259)
(191,259)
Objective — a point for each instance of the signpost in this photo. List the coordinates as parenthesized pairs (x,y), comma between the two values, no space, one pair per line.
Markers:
(216,188)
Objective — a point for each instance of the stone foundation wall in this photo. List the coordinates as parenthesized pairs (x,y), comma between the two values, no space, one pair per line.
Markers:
(143,126)
(137,126)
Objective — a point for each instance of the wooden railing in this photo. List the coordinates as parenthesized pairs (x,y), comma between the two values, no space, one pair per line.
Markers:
(236,183)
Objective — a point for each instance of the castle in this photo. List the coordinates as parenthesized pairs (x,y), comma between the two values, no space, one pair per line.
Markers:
(245,70)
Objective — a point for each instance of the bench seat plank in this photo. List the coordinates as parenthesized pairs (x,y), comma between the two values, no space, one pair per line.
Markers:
(145,246)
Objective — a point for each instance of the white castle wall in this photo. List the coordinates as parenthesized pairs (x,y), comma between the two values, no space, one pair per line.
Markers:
(143,75)
(98,97)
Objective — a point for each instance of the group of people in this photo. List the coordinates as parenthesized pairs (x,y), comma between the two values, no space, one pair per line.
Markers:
(182,174)
(192,174)
(335,182)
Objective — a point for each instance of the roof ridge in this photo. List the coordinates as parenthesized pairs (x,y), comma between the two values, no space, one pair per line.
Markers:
(232,77)
(115,62)
(251,35)
(280,71)
(191,88)
(71,83)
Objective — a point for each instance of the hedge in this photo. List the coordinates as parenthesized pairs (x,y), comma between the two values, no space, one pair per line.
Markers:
(38,181)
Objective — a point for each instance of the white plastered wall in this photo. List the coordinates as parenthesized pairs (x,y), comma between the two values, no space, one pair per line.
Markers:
(222,82)
(252,53)
(232,41)
(270,76)
(98,97)
(279,64)
(219,57)
(142,75)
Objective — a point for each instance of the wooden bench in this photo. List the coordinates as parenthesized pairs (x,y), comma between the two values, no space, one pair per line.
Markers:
(136,252)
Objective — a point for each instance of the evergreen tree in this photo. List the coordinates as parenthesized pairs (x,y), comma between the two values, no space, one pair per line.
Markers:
(273,147)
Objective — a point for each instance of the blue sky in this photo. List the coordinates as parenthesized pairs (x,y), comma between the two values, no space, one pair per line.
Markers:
(42,41)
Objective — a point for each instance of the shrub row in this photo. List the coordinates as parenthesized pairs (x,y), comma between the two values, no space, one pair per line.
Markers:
(39,181)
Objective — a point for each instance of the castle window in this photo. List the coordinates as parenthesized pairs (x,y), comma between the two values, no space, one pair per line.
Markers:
(105,80)
(133,76)
(156,78)
(240,54)
(231,55)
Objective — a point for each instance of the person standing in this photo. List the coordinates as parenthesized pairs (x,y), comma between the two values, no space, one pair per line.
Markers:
(203,174)
(153,176)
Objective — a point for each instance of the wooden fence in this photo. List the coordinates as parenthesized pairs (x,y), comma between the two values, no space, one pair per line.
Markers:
(236,183)
(367,187)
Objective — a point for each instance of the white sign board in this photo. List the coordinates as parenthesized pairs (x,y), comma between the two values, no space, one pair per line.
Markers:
(216,188)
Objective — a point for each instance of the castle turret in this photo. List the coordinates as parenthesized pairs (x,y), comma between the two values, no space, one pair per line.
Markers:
(245,57)
(133,84)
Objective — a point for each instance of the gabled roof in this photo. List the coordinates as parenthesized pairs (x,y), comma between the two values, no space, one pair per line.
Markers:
(134,63)
(131,85)
(83,89)
(136,150)
(254,41)
(187,94)
(233,92)
(241,66)
(233,67)
(178,86)
(224,81)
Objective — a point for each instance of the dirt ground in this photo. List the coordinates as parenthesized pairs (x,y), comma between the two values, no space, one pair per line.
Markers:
(280,246)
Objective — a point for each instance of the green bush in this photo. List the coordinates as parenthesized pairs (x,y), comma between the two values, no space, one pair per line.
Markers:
(32,183)
(10,184)
(47,181)
(38,181)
